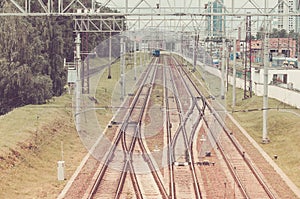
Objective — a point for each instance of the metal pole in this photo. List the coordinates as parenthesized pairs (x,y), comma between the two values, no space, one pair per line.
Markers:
(29,6)
(194,53)
(250,61)
(223,70)
(93,5)
(134,50)
(88,77)
(26,5)
(234,58)
(122,66)
(227,66)
(223,58)
(265,96)
(59,6)
(144,45)
(246,60)
(234,74)
(204,57)
(78,81)
(49,6)
(140,53)
(211,27)
(109,55)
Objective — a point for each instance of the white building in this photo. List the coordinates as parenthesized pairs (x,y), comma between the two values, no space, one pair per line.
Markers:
(283,84)
(297,17)
(286,22)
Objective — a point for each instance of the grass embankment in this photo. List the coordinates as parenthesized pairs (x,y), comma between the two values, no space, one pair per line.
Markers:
(31,140)
(283,130)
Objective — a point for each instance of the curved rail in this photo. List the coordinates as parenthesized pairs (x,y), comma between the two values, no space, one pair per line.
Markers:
(189,140)
(182,129)
(169,137)
(121,136)
(236,145)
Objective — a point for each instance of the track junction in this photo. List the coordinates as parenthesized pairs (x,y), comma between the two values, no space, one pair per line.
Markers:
(198,158)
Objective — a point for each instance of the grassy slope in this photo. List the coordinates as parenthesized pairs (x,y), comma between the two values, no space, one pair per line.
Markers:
(106,87)
(283,130)
(31,139)
(31,147)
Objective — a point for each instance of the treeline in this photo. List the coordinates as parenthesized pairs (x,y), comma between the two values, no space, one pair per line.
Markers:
(32,50)
(278,34)
(31,59)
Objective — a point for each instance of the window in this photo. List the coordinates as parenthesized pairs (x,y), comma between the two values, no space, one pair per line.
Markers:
(280,78)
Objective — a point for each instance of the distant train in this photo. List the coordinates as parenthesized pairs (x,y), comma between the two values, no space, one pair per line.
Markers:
(216,62)
(156,53)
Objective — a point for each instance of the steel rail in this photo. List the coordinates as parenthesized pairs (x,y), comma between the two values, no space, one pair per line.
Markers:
(116,142)
(247,161)
(235,143)
(189,147)
(146,156)
(194,99)
(241,186)
(169,138)
(182,128)
(137,137)
(128,151)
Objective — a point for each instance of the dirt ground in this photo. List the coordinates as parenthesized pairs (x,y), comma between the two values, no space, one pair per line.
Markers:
(29,167)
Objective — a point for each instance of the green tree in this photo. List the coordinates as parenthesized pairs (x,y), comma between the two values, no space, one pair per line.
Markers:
(274,33)
(42,89)
(32,50)
(260,33)
(282,33)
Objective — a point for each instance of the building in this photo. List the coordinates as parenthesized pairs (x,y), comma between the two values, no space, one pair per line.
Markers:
(215,23)
(278,47)
(286,22)
(297,21)
(284,47)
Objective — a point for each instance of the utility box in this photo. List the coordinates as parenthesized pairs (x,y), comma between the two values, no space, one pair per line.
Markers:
(61,170)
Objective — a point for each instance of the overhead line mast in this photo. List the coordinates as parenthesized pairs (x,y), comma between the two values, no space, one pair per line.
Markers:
(89,18)
(248,65)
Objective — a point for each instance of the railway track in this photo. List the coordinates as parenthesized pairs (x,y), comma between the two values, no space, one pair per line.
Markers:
(126,149)
(180,142)
(246,176)
(250,182)
(185,110)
